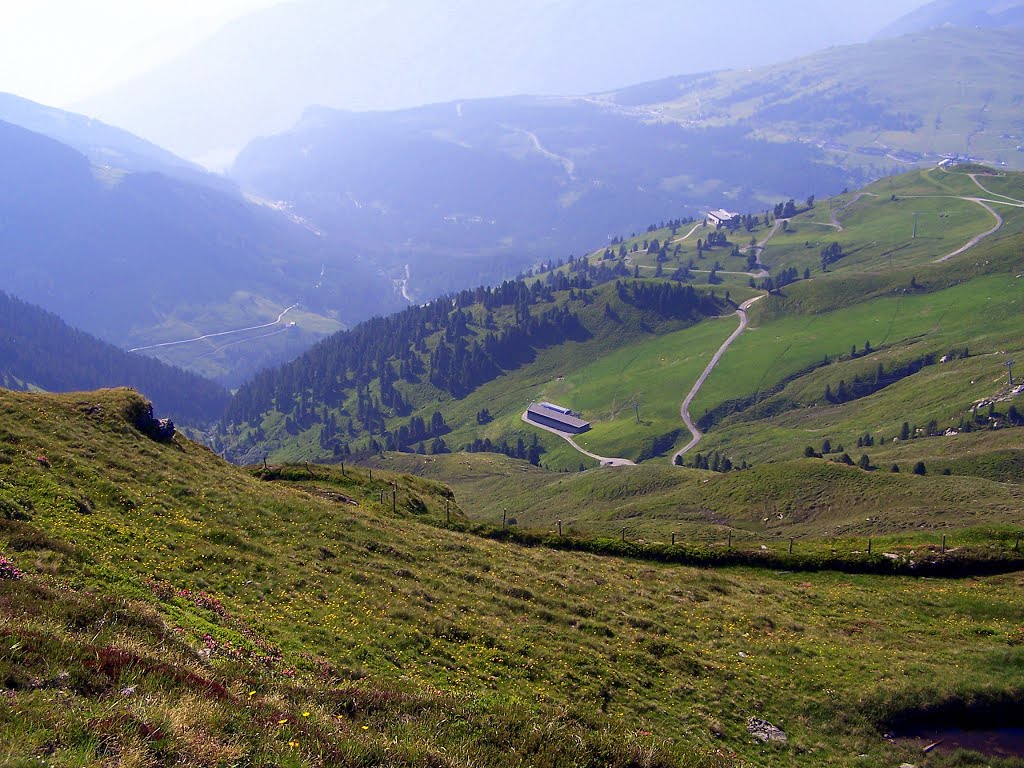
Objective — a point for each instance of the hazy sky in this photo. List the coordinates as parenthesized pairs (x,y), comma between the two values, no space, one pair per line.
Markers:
(61,51)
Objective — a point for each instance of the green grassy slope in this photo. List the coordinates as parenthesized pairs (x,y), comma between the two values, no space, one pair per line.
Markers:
(177,610)
(813,499)
(878,222)
(918,309)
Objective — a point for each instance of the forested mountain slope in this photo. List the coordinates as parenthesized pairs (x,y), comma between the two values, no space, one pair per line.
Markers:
(379,385)
(856,340)
(38,350)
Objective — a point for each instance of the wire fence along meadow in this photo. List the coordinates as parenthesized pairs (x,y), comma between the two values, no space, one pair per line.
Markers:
(946,556)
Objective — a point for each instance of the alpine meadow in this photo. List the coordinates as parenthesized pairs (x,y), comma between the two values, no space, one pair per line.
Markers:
(512,386)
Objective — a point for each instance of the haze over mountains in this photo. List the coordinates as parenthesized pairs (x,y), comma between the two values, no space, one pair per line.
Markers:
(259,73)
(372,210)
(511,182)
(991,14)
(141,258)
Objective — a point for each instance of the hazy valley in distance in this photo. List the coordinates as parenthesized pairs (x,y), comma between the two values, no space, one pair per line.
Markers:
(512,384)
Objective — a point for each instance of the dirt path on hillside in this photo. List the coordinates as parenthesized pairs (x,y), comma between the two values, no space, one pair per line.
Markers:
(604,461)
(684,411)
(985,203)
(687,235)
(987,191)
(977,239)
(834,217)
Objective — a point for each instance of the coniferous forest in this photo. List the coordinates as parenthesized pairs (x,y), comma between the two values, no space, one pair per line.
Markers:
(354,382)
(49,354)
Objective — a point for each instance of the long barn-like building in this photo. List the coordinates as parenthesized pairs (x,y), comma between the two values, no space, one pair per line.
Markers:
(556,418)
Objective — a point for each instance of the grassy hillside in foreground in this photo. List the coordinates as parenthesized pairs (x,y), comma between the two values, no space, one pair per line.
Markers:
(177,610)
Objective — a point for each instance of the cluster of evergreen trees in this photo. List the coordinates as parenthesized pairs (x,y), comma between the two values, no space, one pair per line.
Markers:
(830,254)
(788,209)
(714,462)
(678,302)
(862,386)
(520,450)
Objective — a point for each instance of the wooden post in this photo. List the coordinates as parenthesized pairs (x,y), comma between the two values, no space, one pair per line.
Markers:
(869,546)
(730,539)
(673,539)
(559,529)
(623,534)
(308,469)
(371,473)
(791,545)
(343,469)
(1016,547)
(504,516)
(448,510)
(943,543)
(394,498)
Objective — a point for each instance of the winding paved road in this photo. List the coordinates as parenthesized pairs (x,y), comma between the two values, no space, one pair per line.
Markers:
(605,461)
(684,411)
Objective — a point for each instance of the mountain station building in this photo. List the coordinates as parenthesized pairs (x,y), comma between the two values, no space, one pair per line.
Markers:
(556,417)
(721,217)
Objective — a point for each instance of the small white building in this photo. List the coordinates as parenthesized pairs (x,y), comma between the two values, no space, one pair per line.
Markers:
(721,217)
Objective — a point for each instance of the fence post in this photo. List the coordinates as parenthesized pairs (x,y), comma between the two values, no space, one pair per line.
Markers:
(559,529)
(343,469)
(673,539)
(1016,547)
(943,543)
(448,510)
(394,498)
(623,535)
(730,540)
(791,545)
(504,513)
(869,546)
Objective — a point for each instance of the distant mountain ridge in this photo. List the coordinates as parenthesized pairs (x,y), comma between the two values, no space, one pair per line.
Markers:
(988,14)
(140,259)
(477,191)
(399,54)
(104,145)
(474,191)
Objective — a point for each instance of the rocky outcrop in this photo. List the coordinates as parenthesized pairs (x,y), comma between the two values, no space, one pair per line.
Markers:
(762,730)
(161,430)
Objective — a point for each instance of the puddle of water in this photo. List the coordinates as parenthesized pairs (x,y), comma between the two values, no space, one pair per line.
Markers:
(995,742)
